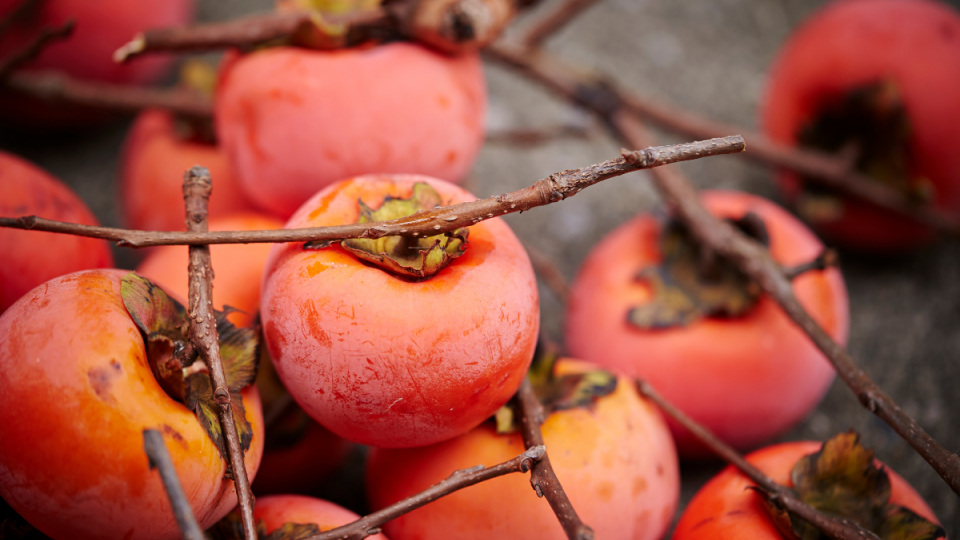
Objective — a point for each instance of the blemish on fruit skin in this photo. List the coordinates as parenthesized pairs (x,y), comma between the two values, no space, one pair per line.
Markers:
(175,435)
(605,491)
(639,485)
(702,522)
(101,379)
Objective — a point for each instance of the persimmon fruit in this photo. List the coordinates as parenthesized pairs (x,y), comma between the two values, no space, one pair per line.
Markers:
(746,377)
(33,257)
(395,361)
(614,457)
(76,393)
(276,510)
(876,81)
(293,121)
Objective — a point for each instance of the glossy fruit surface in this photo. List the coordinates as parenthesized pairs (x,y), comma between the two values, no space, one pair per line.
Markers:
(615,460)
(294,121)
(275,510)
(154,160)
(912,46)
(388,361)
(745,378)
(239,267)
(76,392)
(30,257)
(726,508)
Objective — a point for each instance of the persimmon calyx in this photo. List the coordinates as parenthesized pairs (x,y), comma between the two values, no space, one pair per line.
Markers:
(418,257)
(324,29)
(163,322)
(231,528)
(842,479)
(686,287)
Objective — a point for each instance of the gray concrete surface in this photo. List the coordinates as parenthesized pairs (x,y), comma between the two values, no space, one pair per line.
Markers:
(710,56)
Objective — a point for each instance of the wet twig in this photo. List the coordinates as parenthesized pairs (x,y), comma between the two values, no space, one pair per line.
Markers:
(370,524)
(159,457)
(552,189)
(203,334)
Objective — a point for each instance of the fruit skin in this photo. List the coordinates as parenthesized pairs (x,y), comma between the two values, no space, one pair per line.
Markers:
(615,460)
(725,508)
(746,379)
(385,361)
(154,161)
(76,392)
(294,121)
(914,43)
(239,267)
(32,257)
(275,510)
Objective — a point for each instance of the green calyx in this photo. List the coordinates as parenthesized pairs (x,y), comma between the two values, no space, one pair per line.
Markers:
(868,127)
(687,288)
(163,322)
(413,257)
(843,480)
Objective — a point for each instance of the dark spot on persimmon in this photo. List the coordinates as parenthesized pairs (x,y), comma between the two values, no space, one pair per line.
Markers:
(175,435)
(659,469)
(734,513)
(101,378)
(702,522)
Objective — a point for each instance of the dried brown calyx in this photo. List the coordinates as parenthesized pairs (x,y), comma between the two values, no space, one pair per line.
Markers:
(690,284)
(458,26)
(412,257)
(231,528)
(335,24)
(163,322)
(867,127)
(559,393)
(842,479)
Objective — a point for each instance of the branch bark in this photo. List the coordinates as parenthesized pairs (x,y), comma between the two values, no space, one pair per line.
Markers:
(370,524)
(552,189)
(203,334)
(543,479)
(783,497)
(159,458)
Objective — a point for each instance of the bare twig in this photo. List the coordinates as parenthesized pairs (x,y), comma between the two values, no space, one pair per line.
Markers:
(783,497)
(370,524)
(203,334)
(554,188)
(30,50)
(551,23)
(828,258)
(535,136)
(542,477)
(159,459)
(549,273)
(15,15)
(56,87)
(602,97)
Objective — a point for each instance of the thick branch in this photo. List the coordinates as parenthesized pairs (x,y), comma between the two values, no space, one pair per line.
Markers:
(542,477)
(783,497)
(33,48)
(159,459)
(370,524)
(554,188)
(203,334)
(599,96)
(56,87)
(551,23)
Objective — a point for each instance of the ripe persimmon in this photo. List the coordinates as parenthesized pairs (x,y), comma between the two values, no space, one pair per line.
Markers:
(392,360)
(294,121)
(275,511)
(32,257)
(76,392)
(613,455)
(746,376)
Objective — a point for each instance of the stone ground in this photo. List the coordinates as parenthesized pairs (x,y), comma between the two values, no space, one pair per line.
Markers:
(710,56)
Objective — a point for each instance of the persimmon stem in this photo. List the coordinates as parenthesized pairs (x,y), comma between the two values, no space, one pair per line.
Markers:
(370,524)
(543,479)
(203,334)
(782,496)
(552,189)
(159,458)
(34,47)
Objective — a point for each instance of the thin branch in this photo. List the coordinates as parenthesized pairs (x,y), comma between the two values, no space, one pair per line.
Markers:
(549,273)
(828,258)
(554,188)
(59,88)
(370,525)
(33,48)
(542,477)
(159,459)
(783,497)
(551,23)
(203,333)
(15,15)
(537,136)
(593,93)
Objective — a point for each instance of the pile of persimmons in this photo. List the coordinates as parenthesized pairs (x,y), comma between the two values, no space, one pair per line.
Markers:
(414,346)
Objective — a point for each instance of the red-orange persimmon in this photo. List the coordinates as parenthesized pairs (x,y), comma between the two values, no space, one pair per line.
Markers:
(76,393)
(32,257)
(746,378)
(384,360)
(277,510)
